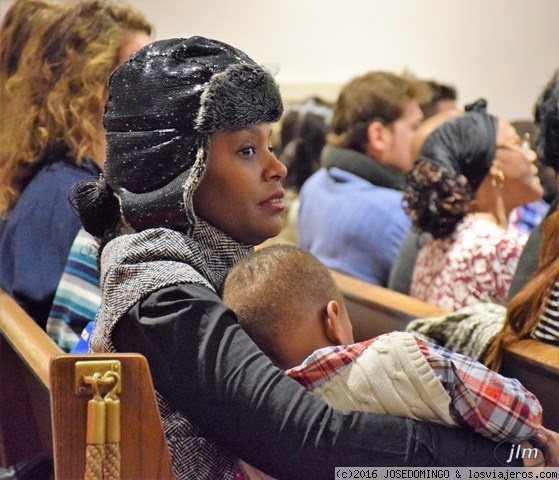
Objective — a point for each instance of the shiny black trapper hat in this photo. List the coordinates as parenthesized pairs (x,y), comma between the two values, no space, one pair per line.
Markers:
(163,104)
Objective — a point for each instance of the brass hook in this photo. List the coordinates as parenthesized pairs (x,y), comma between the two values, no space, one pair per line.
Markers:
(109,377)
(93,380)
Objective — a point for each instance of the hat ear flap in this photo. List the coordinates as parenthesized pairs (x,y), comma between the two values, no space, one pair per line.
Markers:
(193,180)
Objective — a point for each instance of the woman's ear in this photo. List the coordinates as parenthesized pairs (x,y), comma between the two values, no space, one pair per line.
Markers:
(332,325)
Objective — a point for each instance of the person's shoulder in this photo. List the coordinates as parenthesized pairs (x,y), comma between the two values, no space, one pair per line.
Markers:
(319,175)
(487,240)
(484,231)
(59,175)
(67,168)
(182,292)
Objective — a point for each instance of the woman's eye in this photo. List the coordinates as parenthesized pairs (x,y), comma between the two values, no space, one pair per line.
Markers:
(248,151)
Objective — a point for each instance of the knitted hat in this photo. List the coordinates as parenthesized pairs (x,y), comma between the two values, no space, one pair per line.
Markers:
(464,145)
(164,102)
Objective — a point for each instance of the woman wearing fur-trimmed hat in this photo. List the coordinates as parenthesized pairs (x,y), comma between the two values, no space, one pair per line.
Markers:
(470,174)
(190,187)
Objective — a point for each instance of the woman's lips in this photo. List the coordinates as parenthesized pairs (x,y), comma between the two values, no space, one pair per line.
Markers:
(274,202)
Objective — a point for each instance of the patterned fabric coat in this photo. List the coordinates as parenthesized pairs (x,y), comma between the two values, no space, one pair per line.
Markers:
(135,265)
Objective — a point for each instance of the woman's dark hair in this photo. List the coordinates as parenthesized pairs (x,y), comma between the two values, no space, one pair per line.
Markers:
(302,137)
(441,92)
(546,117)
(435,199)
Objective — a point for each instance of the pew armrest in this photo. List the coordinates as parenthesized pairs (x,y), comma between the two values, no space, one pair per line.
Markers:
(26,338)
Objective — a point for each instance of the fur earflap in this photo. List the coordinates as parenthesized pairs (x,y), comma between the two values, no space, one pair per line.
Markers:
(240,96)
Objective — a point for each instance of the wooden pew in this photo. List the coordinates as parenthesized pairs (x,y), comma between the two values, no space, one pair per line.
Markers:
(43,410)
(25,352)
(374,310)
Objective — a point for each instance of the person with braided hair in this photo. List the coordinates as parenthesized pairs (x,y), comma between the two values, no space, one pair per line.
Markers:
(470,173)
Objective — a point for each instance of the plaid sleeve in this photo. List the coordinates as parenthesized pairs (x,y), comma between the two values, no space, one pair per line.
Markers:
(495,406)
(325,363)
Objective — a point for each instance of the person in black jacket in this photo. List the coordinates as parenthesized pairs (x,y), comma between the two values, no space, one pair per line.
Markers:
(190,185)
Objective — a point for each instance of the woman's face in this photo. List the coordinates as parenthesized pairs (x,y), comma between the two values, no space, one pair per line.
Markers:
(134,40)
(522,184)
(241,192)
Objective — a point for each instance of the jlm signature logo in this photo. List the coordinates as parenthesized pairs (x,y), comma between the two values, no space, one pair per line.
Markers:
(510,452)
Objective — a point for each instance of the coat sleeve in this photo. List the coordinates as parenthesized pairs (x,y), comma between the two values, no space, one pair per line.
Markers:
(207,366)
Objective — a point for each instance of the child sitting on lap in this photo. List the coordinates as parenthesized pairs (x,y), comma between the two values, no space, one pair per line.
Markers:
(289,304)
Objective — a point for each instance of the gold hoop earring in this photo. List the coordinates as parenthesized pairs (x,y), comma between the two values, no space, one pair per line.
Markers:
(498,180)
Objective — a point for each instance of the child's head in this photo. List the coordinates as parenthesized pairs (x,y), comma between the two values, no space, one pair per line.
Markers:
(288,302)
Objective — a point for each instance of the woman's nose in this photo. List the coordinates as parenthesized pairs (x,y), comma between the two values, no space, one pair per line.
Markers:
(276,169)
(531,155)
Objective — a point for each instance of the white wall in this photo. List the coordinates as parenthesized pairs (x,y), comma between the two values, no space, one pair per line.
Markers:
(504,50)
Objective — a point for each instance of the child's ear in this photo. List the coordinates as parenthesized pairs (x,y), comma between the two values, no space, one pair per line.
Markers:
(332,325)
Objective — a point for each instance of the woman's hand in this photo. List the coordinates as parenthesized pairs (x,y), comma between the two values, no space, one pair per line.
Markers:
(551,440)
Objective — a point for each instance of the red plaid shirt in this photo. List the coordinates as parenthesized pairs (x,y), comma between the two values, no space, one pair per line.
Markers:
(494,406)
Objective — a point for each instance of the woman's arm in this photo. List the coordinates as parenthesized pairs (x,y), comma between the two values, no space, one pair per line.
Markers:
(206,365)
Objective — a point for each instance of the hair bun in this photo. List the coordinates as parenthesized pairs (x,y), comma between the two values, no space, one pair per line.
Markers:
(97,206)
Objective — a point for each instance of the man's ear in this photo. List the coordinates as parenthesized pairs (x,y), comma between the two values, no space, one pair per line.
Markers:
(376,138)
(332,325)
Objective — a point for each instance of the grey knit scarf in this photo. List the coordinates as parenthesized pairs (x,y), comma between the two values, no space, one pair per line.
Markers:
(136,265)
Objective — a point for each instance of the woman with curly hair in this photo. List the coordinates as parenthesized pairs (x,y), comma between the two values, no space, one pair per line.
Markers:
(51,136)
(470,173)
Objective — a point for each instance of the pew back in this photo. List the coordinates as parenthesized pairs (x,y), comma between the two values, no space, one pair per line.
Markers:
(25,352)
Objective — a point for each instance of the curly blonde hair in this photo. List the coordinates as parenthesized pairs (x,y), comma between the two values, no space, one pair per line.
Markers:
(15,30)
(55,100)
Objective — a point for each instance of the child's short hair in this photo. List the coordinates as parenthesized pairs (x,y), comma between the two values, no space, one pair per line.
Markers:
(276,288)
